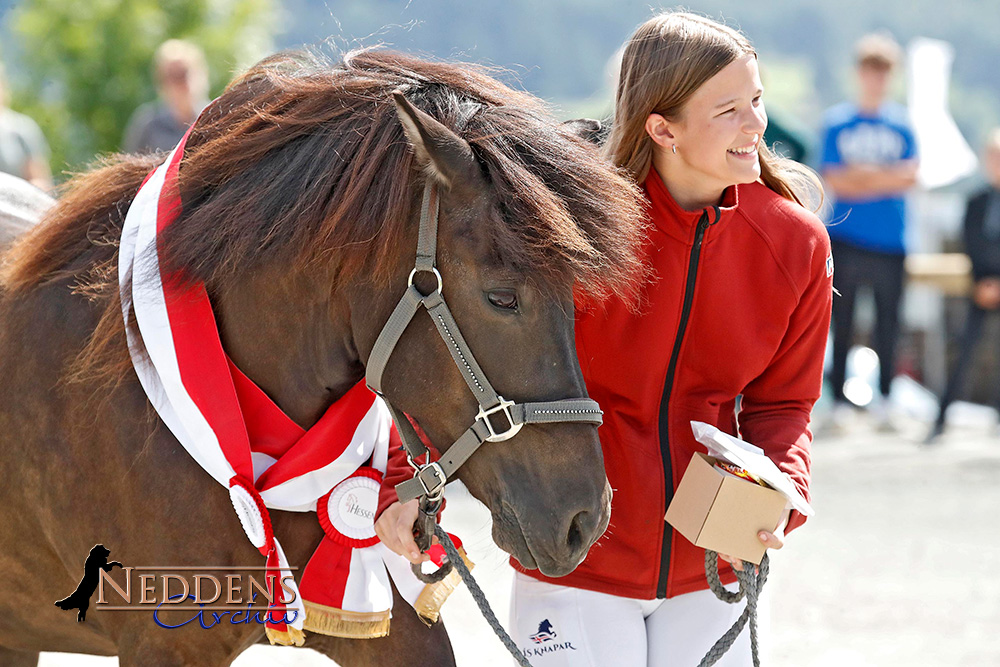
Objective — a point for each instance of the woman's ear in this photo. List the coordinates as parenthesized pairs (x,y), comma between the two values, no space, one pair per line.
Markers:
(659,130)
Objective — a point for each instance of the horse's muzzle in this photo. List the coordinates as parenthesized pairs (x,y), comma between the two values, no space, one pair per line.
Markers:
(553,547)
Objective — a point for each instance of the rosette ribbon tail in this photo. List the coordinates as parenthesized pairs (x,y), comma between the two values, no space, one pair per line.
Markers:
(286,614)
(285,610)
(329,584)
(426,599)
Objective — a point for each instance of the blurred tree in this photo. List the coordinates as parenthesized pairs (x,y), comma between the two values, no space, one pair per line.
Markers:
(84,67)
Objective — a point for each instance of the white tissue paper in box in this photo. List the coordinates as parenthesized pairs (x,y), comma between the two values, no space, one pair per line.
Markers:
(741,453)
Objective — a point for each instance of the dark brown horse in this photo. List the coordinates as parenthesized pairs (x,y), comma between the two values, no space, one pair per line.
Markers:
(301,191)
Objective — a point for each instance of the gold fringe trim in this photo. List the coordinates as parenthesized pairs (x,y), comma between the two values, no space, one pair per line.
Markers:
(291,637)
(342,623)
(431,599)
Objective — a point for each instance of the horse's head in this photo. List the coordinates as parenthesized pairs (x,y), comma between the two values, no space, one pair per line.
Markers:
(302,188)
(546,486)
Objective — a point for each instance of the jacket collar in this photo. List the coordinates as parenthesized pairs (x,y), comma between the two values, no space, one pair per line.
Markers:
(671,219)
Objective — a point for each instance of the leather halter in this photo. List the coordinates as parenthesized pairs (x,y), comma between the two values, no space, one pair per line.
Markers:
(430,477)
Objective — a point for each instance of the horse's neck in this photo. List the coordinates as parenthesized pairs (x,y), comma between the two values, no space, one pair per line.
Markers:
(292,337)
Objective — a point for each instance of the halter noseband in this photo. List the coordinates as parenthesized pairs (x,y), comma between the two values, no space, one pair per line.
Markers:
(429,479)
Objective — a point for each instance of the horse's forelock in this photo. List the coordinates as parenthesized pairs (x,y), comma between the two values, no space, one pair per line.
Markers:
(569,215)
(302,159)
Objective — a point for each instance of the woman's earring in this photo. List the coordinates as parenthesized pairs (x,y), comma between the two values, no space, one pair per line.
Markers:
(674,148)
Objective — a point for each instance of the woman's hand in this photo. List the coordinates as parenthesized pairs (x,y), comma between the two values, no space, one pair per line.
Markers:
(774,540)
(395,529)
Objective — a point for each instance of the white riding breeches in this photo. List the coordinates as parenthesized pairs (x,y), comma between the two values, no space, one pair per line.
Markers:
(559,626)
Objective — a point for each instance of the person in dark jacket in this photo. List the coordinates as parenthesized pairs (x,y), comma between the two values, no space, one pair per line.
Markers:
(981,234)
(182,87)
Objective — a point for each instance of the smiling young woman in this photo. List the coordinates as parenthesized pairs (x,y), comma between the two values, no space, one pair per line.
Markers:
(739,307)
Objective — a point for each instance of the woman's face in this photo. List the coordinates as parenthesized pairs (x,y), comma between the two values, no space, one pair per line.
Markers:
(721,126)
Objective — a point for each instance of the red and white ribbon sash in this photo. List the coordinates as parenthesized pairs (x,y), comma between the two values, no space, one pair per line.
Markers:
(246,442)
(189,380)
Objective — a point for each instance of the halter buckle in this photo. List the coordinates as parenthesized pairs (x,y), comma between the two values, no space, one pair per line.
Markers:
(432,479)
(503,406)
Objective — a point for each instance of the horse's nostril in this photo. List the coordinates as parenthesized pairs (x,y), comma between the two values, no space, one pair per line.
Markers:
(577,528)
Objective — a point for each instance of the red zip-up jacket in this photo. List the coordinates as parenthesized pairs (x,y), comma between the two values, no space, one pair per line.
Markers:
(740,304)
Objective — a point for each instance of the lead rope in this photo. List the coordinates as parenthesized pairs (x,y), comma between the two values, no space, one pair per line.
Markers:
(751,585)
(423,531)
(425,527)
(477,594)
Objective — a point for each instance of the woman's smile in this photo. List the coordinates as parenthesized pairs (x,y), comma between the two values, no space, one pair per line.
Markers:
(748,152)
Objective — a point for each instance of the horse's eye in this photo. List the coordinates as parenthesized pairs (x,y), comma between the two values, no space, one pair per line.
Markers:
(503,298)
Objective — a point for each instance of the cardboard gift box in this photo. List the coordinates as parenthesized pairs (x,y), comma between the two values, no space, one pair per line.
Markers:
(721,512)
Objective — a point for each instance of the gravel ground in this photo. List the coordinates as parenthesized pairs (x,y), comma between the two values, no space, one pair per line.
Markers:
(893,571)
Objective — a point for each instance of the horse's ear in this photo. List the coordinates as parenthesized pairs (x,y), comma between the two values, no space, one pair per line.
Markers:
(447,155)
(587,128)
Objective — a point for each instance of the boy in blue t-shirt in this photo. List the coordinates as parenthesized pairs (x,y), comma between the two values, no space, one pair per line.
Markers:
(869,162)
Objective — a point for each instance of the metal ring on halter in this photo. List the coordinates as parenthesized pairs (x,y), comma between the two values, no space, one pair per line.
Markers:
(504,406)
(433,270)
(413,464)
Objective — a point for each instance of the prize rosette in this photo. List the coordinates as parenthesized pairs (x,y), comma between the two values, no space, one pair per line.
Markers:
(345,586)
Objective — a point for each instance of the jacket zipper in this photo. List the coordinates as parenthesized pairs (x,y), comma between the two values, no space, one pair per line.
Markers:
(668,385)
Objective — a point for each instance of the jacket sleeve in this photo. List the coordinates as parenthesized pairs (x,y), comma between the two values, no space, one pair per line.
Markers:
(983,253)
(774,414)
(971,239)
(398,469)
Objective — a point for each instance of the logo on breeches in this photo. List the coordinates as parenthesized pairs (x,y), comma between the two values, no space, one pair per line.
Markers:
(543,640)
(545,633)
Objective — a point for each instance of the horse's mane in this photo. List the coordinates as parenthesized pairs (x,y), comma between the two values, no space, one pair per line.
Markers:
(304,160)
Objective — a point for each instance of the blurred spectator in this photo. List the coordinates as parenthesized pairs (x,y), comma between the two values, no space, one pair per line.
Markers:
(182,83)
(23,149)
(869,162)
(981,234)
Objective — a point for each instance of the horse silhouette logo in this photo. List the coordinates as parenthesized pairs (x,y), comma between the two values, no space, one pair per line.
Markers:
(80,599)
(545,633)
